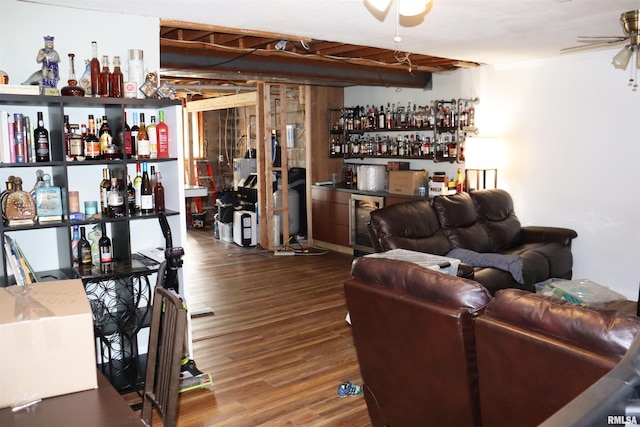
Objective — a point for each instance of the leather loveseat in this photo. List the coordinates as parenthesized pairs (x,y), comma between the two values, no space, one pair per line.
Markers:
(483,226)
(438,350)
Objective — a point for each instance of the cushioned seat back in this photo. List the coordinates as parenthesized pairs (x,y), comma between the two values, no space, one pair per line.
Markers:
(411,225)
(459,221)
(567,348)
(495,212)
(413,333)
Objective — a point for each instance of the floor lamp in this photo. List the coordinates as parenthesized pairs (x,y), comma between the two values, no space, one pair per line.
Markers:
(481,160)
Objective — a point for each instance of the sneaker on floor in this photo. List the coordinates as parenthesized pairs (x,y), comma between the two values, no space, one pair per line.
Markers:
(348,389)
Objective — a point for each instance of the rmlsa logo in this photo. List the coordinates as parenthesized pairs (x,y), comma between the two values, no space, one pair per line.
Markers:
(621,419)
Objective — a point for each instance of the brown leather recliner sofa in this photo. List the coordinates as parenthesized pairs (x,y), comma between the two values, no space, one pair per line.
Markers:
(484,223)
(438,350)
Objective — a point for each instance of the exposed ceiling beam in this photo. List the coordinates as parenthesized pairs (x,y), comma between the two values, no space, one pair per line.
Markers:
(179,61)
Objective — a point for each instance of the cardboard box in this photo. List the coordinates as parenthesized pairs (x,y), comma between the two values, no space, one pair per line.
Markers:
(47,346)
(397,166)
(407,182)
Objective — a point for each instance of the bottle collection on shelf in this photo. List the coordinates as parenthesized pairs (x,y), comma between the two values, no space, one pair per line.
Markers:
(434,131)
(94,140)
(143,196)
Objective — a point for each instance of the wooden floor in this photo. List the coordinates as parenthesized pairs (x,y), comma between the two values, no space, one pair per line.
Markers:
(278,345)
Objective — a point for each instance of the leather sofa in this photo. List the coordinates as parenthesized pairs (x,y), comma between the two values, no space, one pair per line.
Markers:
(483,222)
(440,350)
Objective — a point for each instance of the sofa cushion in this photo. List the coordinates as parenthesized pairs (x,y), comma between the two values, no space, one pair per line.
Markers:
(535,354)
(412,225)
(495,212)
(459,221)
(422,283)
(606,332)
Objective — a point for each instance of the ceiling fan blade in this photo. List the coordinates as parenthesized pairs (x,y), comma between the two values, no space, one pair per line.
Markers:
(620,38)
(593,44)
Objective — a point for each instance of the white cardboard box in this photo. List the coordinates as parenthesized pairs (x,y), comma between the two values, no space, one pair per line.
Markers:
(47,345)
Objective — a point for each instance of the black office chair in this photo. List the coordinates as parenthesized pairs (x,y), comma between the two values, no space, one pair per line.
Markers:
(166,340)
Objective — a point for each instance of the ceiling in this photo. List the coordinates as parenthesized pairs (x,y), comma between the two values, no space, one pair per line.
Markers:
(203,40)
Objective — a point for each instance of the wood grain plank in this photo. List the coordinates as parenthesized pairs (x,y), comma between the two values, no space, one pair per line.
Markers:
(278,346)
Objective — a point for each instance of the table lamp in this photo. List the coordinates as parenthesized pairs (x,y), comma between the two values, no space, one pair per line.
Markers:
(481,161)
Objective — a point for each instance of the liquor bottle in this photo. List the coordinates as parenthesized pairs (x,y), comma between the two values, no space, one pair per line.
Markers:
(39,183)
(94,67)
(163,136)
(134,136)
(48,201)
(72,88)
(84,249)
(67,134)
(146,194)
(131,196)
(115,200)
(104,187)
(116,89)
(381,118)
(349,177)
(126,133)
(41,138)
(144,150)
(74,244)
(105,77)
(91,142)
(105,136)
(153,138)
(152,177)
(459,181)
(104,244)
(18,137)
(137,186)
(158,192)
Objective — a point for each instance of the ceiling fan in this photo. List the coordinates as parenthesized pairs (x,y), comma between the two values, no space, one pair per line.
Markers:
(630,24)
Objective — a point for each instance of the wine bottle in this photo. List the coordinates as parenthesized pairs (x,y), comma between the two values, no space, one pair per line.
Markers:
(104,244)
(146,194)
(131,196)
(116,88)
(115,200)
(67,135)
(158,192)
(127,138)
(94,67)
(84,249)
(91,142)
(153,138)
(41,138)
(74,244)
(137,186)
(163,136)
(105,77)
(104,188)
(134,136)
(144,150)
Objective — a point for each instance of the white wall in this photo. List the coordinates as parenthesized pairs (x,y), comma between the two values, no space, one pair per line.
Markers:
(570,128)
(23,26)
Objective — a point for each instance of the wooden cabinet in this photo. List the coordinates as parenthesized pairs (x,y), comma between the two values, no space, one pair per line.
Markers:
(330,215)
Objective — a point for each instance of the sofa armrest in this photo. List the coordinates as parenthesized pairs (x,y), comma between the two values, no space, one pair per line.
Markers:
(560,235)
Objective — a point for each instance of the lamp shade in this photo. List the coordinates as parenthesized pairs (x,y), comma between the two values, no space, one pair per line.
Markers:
(482,153)
(412,7)
(622,58)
